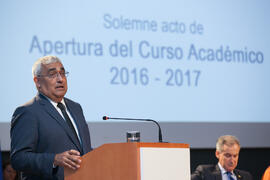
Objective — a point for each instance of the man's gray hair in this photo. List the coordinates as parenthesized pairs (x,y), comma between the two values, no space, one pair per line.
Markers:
(37,66)
(228,140)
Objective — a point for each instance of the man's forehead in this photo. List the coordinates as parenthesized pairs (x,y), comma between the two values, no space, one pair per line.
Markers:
(234,147)
(53,66)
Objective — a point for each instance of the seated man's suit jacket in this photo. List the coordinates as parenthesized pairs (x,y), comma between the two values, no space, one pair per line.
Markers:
(38,132)
(212,172)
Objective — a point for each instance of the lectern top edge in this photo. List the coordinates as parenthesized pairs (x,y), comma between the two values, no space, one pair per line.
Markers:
(163,145)
(156,144)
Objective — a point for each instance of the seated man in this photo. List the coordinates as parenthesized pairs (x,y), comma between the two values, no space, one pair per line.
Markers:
(227,152)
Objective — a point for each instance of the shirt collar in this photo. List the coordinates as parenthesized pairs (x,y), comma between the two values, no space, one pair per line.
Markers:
(54,103)
(223,171)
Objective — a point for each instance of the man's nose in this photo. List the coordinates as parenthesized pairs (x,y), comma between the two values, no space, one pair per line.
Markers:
(59,76)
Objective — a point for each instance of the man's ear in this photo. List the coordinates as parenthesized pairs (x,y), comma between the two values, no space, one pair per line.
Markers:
(217,154)
(36,80)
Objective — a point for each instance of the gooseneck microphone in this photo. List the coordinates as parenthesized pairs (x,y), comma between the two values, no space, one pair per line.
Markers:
(136,119)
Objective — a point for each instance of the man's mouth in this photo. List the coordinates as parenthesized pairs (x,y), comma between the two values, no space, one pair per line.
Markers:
(59,87)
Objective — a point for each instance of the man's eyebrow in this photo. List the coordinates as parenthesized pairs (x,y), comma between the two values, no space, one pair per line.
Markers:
(52,69)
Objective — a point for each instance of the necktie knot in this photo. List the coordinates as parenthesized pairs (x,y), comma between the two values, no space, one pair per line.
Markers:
(229,174)
(61,106)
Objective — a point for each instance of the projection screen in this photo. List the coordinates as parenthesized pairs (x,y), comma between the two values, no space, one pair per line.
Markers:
(200,68)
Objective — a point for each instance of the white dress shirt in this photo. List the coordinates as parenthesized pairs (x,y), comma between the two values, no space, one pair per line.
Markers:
(224,173)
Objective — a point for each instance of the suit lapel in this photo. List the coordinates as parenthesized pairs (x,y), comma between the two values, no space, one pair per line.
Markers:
(237,174)
(50,109)
(217,173)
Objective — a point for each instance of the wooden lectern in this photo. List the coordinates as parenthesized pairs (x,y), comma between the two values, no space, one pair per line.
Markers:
(134,161)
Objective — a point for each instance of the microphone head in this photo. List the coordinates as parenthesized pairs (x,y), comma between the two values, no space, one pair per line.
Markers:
(105,118)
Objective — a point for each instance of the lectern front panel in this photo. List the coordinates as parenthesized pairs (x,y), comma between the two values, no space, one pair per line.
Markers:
(164,163)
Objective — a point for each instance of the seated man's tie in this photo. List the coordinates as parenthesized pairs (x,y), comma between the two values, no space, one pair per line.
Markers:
(229,174)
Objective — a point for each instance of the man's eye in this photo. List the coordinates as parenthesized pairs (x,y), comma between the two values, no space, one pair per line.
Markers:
(227,155)
(62,73)
(52,73)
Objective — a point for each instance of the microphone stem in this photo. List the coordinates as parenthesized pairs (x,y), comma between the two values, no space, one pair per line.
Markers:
(135,119)
(159,130)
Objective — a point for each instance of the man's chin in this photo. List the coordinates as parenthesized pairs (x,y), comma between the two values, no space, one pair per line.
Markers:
(60,94)
(230,168)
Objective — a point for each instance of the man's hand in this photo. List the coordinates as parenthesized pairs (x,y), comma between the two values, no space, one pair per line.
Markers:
(69,159)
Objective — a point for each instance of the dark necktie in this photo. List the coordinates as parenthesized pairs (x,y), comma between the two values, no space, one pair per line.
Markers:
(64,112)
(229,174)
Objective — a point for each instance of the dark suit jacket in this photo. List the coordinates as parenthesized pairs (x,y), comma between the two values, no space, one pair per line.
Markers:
(38,132)
(212,172)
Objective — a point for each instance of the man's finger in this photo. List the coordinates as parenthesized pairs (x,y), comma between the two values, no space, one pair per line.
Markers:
(71,164)
(75,159)
(74,152)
